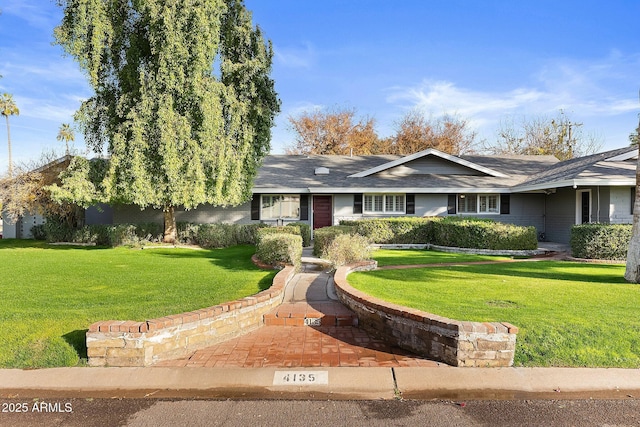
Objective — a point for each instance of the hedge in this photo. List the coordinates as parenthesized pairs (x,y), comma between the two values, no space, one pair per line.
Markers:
(601,241)
(395,230)
(483,234)
(218,235)
(279,249)
(305,232)
(450,231)
(287,229)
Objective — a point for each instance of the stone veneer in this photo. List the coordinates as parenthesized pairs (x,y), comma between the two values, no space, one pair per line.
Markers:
(129,343)
(450,341)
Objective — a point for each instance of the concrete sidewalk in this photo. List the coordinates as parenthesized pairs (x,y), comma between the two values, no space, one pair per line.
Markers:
(322,383)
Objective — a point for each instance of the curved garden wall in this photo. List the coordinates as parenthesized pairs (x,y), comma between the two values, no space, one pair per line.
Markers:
(128,343)
(450,341)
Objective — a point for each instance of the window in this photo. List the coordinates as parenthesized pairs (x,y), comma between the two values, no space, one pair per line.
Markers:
(384,203)
(479,203)
(467,203)
(280,206)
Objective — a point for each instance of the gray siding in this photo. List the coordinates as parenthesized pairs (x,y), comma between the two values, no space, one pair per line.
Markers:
(101,214)
(430,166)
(561,215)
(205,214)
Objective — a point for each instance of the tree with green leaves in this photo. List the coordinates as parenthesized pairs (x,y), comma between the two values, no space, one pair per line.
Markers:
(66,134)
(8,108)
(183,103)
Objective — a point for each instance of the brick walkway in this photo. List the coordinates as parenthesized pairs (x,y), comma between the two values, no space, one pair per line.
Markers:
(302,346)
(285,341)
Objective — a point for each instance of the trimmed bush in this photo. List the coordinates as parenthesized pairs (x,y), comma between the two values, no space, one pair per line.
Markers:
(280,249)
(324,236)
(56,230)
(287,229)
(483,234)
(408,230)
(601,241)
(305,232)
(347,249)
(229,234)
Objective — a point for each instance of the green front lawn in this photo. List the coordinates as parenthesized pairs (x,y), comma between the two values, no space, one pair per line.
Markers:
(418,256)
(569,314)
(51,294)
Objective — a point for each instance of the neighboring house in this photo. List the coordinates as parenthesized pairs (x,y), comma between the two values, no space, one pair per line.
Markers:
(525,190)
(21,229)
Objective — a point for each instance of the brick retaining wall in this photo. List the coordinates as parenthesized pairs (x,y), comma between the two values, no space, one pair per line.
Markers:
(450,341)
(128,343)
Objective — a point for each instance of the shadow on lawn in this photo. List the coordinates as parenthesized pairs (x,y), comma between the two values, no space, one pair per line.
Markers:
(77,340)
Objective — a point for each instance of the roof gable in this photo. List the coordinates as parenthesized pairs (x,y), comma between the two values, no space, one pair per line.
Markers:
(403,165)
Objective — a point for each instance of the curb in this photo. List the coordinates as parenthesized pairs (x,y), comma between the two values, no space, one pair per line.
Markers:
(356,383)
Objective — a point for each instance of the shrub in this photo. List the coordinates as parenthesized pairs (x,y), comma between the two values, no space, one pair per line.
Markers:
(483,234)
(347,249)
(38,233)
(95,233)
(601,241)
(215,235)
(122,234)
(149,231)
(395,230)
(305,232)
(287,229)
(229,234)
(187,232)
(279,249)
(57,230)
(324,236)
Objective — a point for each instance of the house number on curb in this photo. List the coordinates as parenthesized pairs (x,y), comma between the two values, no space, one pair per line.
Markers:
(312,322)
(301,378)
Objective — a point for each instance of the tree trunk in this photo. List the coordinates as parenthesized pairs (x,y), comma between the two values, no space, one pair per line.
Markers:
(632,274)
(9,148)
(170,229)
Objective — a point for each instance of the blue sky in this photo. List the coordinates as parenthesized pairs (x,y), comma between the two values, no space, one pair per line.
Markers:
(486,61)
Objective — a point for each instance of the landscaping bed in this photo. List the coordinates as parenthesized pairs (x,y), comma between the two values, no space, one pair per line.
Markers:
(51,294)
(569,314)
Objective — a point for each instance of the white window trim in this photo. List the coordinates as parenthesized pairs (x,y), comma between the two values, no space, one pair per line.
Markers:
(262,196)
(477,211)
(384,204)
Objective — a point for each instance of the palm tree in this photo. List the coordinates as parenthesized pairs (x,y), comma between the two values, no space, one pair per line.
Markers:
(8,108)
(66,134)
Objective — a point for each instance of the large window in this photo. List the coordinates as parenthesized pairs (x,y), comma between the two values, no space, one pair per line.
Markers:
(384,203)
(280,206)
(479,203)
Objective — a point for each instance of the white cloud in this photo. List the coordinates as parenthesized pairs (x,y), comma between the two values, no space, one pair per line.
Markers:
(590,91)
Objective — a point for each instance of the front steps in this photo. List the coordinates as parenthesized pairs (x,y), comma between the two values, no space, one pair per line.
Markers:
(311,314)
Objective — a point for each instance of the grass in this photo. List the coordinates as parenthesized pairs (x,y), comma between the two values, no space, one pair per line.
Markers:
(416,257)
(51,294)
(569,314)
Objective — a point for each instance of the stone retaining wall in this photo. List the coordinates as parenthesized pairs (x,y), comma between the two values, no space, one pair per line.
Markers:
(128,343)
(438,338)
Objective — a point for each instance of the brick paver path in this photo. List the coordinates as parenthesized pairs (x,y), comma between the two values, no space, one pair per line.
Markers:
(285,341)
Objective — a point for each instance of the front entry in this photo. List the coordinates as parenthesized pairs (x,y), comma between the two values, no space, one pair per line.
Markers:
(322,211)
(583,206)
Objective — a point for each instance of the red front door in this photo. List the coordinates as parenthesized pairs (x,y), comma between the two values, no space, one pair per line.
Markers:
(322,211)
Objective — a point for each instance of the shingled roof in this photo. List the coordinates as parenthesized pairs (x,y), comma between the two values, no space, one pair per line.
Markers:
(297,174)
